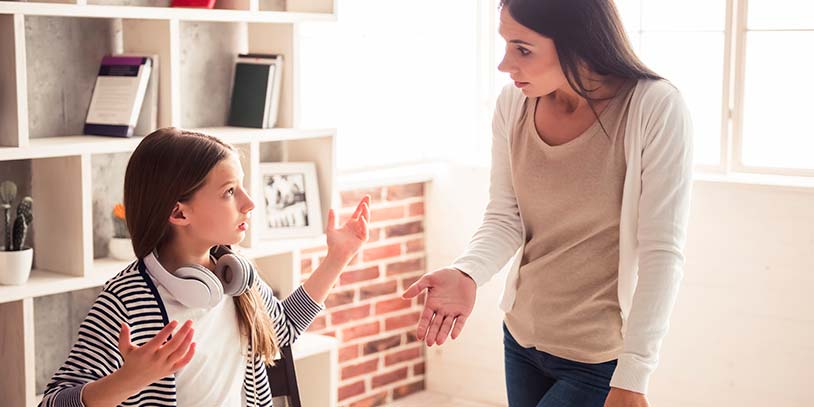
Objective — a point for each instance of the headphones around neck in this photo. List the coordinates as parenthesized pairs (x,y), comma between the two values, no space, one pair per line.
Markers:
(196,286)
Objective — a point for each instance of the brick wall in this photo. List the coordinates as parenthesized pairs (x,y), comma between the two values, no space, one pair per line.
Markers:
(380,359)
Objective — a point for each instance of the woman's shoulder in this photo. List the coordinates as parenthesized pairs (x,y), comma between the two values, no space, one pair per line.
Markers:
(652,92)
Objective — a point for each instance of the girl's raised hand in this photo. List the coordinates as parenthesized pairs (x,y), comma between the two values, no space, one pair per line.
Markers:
(158,357)
(346,240)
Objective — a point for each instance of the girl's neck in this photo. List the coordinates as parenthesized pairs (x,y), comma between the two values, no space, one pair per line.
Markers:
(175,254)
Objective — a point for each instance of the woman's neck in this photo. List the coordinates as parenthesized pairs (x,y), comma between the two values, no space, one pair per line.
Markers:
(568,101)
(175,254)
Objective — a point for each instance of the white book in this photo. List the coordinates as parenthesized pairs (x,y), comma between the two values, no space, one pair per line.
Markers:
(118,95)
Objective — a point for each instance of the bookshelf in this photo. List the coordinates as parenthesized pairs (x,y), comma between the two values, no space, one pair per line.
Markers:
(49,56)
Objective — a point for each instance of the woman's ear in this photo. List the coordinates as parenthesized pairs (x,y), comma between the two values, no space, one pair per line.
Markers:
(177,217)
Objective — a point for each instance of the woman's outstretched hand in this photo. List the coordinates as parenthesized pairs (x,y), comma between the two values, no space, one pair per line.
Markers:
(450,298)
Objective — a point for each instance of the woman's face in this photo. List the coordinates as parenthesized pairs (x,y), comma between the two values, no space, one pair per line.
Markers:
(531,59)
(219,211)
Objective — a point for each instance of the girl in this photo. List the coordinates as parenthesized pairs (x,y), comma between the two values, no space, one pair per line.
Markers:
(590,185)
(185,207)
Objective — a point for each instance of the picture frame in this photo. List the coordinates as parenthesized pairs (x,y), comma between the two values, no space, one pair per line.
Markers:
(289,204)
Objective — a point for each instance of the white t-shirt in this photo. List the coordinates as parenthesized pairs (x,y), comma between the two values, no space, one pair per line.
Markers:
(214,376)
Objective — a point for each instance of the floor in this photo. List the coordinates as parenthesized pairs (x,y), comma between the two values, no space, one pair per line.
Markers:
(427,399)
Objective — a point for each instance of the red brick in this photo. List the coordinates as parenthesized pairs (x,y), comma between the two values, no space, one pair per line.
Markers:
(404,229)
(318,324)
(405,266)
(355,276)
(408,281)
(377,290)
(351,390)
(421,298)
(382,344)
(383,214)
(352,198)
(398,192)
(383,307)
(359,369)
(416,209)
(390,377)
(348,352)
(415,245)
(340,298)
(374,235)
(418,369)
(382,252)
(409,337)
(402,321)
(408,389)
(350,314)
(305,266)
(312,250)
(359,331)
(402,356)
(372,401)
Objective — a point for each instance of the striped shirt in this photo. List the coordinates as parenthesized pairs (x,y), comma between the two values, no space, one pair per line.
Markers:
(131,297)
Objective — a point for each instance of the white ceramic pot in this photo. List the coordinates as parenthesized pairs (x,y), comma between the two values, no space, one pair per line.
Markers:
(15,267)
(121,248)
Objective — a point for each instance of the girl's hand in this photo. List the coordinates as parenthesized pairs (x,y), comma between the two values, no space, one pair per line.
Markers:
(344,242)
(625,398)
(155,359)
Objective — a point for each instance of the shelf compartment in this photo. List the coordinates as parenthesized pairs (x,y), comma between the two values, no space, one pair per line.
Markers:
(14,115)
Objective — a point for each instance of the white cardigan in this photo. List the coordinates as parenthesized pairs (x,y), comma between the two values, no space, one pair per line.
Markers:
(652,230)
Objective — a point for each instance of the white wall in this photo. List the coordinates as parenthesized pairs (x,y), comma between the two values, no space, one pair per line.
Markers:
(743,329)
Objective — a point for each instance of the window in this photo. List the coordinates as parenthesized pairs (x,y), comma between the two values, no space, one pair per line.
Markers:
(397,79)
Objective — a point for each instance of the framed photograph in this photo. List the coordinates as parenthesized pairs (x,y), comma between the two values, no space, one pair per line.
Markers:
(291,206)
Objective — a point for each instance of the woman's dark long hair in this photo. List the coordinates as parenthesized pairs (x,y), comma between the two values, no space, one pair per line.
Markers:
(586,33)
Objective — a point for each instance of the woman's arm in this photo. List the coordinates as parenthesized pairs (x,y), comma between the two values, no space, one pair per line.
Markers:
(452,290)
(662,231)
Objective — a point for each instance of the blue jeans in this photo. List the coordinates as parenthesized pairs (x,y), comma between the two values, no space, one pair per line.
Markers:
(540,379)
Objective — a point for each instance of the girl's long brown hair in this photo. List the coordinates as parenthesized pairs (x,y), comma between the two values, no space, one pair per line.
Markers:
(167,167)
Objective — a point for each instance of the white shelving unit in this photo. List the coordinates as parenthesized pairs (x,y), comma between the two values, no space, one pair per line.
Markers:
(61,163)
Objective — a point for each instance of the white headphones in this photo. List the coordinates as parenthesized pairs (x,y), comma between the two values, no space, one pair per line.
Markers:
(196,286)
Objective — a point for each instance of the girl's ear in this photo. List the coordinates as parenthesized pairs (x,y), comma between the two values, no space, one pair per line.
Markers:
(177,217)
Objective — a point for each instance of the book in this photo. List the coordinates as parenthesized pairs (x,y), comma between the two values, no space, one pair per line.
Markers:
(147,121)
(256,90)
(118,95)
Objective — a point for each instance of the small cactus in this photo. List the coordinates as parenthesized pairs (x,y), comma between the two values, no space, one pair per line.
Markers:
(8,191)
(21,224)
(20,229)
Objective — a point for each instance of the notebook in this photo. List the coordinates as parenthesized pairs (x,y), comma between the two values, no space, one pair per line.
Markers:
(118,95)
(256,90)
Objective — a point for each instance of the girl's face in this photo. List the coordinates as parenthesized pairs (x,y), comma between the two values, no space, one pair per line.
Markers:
(531,59)
(219,211)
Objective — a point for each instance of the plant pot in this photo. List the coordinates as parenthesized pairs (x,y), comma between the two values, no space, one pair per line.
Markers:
(121,248)
(15,267)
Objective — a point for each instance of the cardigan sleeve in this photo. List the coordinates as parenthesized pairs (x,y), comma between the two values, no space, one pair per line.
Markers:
(94,355)
(500,233)
(666,181)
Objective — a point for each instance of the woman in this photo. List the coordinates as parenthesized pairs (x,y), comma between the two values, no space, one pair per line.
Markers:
(590,180)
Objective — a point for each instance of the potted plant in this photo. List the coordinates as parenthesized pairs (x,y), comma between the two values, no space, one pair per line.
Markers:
(120,247)
(15,258)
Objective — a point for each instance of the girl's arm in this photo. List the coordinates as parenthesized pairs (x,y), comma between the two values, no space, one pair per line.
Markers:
(96,374)
(294,314)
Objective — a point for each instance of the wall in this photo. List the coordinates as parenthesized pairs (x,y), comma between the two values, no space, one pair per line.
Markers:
(380,359)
